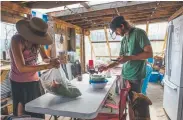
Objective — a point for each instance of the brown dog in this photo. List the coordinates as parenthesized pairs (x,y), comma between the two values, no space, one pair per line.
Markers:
(140,106)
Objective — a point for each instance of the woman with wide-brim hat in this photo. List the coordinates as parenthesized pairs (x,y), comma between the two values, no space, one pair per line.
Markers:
(26,44)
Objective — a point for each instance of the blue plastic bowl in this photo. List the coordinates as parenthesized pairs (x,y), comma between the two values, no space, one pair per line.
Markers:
(105,81)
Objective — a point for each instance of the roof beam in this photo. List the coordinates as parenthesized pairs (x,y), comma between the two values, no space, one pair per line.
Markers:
(10,6)
(84,4)
(125,10)
(98,7)
(140,21)
(50,4)
(176,14)
(117,12)
(127,17)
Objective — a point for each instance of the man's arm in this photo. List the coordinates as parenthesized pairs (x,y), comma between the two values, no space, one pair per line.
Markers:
(147,53)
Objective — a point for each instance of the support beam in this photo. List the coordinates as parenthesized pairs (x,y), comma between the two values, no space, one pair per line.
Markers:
(107,41)
(84,4)
(138,9)
(84,59)
(122,8)
(92,49)
(99,7)
(9,6)
(10,18)
(117,12)
(176,14)
(82,52)
(134,22)
(108,56)
(147,27)
(50,4)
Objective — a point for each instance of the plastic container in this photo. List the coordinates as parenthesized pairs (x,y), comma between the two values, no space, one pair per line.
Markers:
(154,77)
(150,60)
(98,84)
(146,80)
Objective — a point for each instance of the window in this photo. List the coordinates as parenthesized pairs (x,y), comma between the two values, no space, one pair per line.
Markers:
(115,48)
(113,37)
(157,31)
(97,35)
(141,26)
(7,31)
(100,49)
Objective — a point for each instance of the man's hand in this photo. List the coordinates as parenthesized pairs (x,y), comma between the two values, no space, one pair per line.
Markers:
(123,59)
(102,68)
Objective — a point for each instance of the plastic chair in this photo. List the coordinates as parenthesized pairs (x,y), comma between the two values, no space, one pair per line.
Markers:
(122,107)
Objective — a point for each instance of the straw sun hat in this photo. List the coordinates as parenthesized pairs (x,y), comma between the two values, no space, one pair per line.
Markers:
(34,30)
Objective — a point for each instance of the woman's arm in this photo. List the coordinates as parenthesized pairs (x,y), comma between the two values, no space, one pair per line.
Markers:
(47,59)
(16,48)
(44,56)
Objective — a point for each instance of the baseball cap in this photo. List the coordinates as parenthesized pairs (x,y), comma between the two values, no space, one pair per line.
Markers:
(116,22)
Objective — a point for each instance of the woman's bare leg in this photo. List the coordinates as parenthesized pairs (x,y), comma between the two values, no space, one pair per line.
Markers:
(20,109)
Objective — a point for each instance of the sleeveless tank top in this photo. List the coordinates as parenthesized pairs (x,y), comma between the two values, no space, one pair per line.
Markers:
(30,59)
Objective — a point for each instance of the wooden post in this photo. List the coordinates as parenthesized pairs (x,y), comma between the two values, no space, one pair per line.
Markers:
(83,50)
(176,14)
(92,50)
(147,27)
(106,36)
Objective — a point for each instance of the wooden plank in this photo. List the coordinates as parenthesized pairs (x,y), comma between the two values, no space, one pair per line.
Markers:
(98,7)
(81,52)
(135,21)
(176,14)
(84,4)
(108,14)
(108,56)
(15,7)
(10,18)
(117,11)
(107,41)
(127,10)
(147,27)
(110,41)
(50,4)
(84,62)
(92,49)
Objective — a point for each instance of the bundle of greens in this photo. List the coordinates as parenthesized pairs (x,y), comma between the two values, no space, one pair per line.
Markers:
(56,82)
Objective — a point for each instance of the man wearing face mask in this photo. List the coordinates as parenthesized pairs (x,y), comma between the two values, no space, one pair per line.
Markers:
(135,49)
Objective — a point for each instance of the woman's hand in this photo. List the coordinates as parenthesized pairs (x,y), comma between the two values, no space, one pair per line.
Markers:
(55,63)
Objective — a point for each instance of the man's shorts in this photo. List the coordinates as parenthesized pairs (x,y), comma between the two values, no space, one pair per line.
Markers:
(136,86)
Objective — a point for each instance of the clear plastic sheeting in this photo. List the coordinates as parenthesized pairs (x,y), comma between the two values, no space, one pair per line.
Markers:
(157,31)
(97,35)
(115,48)
(100,49)
(7,31)
(141,26)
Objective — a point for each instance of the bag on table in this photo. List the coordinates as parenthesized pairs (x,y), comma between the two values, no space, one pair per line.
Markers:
(56,82)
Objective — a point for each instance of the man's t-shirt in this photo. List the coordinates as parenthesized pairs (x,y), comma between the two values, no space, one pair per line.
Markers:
(134,44)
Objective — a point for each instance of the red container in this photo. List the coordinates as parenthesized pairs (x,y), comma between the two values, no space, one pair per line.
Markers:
(91,64)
